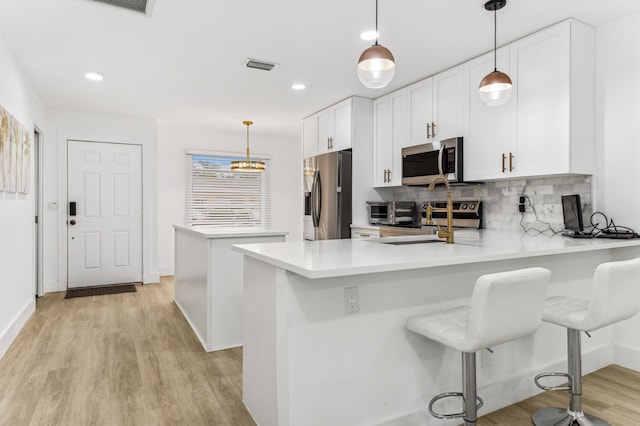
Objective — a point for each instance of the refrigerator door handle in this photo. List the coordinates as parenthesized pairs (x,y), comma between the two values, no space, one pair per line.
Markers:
(316,199)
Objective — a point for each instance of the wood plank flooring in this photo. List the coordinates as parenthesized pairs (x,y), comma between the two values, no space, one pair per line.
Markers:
(132,359)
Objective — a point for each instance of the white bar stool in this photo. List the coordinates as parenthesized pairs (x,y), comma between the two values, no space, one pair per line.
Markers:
(504,306)
(615,296)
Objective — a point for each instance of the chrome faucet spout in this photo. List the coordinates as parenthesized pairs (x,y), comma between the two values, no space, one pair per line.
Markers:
(448,234)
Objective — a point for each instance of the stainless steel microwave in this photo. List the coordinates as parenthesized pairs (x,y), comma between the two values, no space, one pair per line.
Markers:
(422,163)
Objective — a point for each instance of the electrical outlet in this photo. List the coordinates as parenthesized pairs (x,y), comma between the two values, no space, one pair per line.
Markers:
(351,300)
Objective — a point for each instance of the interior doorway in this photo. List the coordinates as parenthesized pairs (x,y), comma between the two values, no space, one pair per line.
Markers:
(37,196)
(104,213)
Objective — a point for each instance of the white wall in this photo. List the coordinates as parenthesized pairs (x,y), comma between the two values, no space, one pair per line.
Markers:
(17,229)
(617,177)
(286,178)
(66,125)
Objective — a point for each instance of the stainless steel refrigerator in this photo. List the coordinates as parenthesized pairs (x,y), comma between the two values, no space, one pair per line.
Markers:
(328,196)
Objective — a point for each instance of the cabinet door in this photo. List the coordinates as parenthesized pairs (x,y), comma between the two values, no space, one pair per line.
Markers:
(325,130)
(310,136)
(420,111)
(342,114)
(400,134)
(540,70)
(488,128)
(448,101)
(382,141)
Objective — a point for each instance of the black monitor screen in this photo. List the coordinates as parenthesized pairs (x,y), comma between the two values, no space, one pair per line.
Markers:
(572,212)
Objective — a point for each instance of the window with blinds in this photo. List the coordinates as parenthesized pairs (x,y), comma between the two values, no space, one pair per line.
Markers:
(217,196)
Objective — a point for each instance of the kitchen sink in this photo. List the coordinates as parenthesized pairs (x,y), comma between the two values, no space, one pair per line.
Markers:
(399,243)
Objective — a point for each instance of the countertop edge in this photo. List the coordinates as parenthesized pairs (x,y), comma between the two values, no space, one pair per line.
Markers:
(250,250)
(231,233)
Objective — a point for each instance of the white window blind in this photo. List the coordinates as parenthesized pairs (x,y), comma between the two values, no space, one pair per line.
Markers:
(217,196)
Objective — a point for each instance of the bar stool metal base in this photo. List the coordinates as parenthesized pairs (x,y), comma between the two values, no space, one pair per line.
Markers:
(564,417)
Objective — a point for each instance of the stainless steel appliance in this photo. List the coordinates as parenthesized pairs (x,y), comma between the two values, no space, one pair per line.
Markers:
(328,190)
(393,213)
(422,163)
(466,215)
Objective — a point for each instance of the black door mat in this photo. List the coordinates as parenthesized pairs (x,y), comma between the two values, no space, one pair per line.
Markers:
(99,291)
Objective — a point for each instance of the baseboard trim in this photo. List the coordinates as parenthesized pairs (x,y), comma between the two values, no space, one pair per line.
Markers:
(11,332)
(626,356)
(193,327)
(523,387)
(150,278)
(167,270)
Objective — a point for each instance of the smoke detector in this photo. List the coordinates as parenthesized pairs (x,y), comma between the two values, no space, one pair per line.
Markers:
(141,6)
(259,65)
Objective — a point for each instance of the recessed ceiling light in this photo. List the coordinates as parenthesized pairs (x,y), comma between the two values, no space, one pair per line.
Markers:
(298,86)
(94,75)
(369,35)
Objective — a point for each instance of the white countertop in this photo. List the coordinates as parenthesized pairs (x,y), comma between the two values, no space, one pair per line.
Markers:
(332,258)
(217,232)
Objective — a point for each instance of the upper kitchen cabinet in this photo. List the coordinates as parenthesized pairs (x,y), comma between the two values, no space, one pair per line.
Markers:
(553,72)
(333,128)
(547,126)
(390,135)
(488,140)
(310,136)
(436,107)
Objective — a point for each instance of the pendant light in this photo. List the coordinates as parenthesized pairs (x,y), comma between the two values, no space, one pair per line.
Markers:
(247,165)
(376,65)
(495,87)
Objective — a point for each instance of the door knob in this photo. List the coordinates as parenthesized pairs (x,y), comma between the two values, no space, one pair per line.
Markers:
(72,222)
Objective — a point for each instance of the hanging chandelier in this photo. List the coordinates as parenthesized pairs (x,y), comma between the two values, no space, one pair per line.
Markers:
(247,165)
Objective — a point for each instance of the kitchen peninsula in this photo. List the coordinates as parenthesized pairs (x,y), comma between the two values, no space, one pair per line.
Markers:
(308,362)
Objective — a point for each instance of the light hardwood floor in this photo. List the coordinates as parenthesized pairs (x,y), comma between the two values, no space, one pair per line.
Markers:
(132,359)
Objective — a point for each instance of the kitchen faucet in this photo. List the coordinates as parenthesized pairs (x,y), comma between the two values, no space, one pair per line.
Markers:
(448,234)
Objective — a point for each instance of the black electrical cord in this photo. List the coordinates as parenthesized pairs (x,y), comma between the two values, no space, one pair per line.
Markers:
(531,229)
(609,226)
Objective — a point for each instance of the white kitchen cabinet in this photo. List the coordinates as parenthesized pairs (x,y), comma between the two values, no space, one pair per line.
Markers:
(390,136)
(330,129)
(488,133)
(547,126)
(554,74)
(334,127)
(310,136)
(364,232)
(436,107)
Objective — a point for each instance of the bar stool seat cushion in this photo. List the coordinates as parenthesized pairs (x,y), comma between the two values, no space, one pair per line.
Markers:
(504,306)
(447,327)
(615,296)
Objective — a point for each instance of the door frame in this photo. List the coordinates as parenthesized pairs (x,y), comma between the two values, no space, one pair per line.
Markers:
(149,204)
(39,211)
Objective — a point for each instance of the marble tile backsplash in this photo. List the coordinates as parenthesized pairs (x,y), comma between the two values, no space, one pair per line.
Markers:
(500,200)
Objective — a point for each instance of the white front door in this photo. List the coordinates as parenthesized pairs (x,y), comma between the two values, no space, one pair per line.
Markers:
(104,187)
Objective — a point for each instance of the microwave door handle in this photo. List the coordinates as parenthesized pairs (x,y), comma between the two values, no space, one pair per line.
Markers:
(440,160)
(316,199)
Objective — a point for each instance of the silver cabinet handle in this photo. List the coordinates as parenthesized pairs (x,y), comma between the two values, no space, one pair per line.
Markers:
(428,130)
(330,143)
(433,129)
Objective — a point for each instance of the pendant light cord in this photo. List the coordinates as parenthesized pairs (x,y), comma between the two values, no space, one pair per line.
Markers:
(495,39)
(376,22)
(248,158)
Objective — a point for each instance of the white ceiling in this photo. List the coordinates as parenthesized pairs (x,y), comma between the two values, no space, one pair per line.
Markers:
(184,64)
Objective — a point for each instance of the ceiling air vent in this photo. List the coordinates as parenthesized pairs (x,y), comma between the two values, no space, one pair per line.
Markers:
(259,65)
(142,6)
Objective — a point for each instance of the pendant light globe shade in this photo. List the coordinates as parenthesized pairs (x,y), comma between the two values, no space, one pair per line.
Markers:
(495,89)
(376,67)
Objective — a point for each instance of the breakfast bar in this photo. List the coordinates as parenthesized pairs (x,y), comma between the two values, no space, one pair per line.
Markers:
(315,356)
